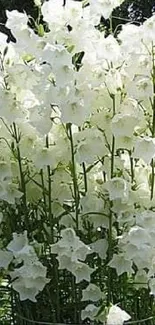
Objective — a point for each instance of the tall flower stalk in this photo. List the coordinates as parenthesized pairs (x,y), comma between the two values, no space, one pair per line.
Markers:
(110,240)
(153,121)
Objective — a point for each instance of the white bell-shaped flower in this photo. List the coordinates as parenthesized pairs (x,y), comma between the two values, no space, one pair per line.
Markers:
(92,293)
(145,149)
(117,316)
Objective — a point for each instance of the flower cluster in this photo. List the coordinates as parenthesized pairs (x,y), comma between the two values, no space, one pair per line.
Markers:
(77,148)
(29,275)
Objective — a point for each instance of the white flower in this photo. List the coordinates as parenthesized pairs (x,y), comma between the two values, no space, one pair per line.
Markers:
(118,188)
(113,81)
(145,149)
(104,7)
(11,193)
(123,125)
(143,257)
(27,42)
(124,142)
(44,157)
(5,258)
(61,192)
(25,293)
(75,110)
(18,242)
(81,271)
(52,10)
(144,88)
(29,280)
(55,13)
(10,109)
(91,203)
(40,118)
(71,246)
(20,247)
(57,56)
(21,77)
(92,293)
(90,145)
(145,219)
(102,119)
(30,270)
(141,279)
(70,250)
(108,50)
(117,316)
(5,170)
(138,236)
(100,246)
(148,30)
(65,262)
(89,312)
(17,22)
(131,34)
(121,264)
(152,286)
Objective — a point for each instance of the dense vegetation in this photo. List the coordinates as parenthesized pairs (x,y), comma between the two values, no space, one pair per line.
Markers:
(68,292)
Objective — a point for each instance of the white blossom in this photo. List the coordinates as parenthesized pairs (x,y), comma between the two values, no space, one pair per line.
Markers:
(145,149)
(117,316)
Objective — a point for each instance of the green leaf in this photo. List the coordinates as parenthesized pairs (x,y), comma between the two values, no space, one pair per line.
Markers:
(28,58)
(40,30)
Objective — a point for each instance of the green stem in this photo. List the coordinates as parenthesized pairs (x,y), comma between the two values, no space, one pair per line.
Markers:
(111,27)
(76,199)
(74,297)
(113,140)
(74,176)
(110,249)
(49,196)
(43,190)
(110,253)
(51,220)
(56,279)
(112,157)
(152,178)
(85,177)
(132,167)
(22,176)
